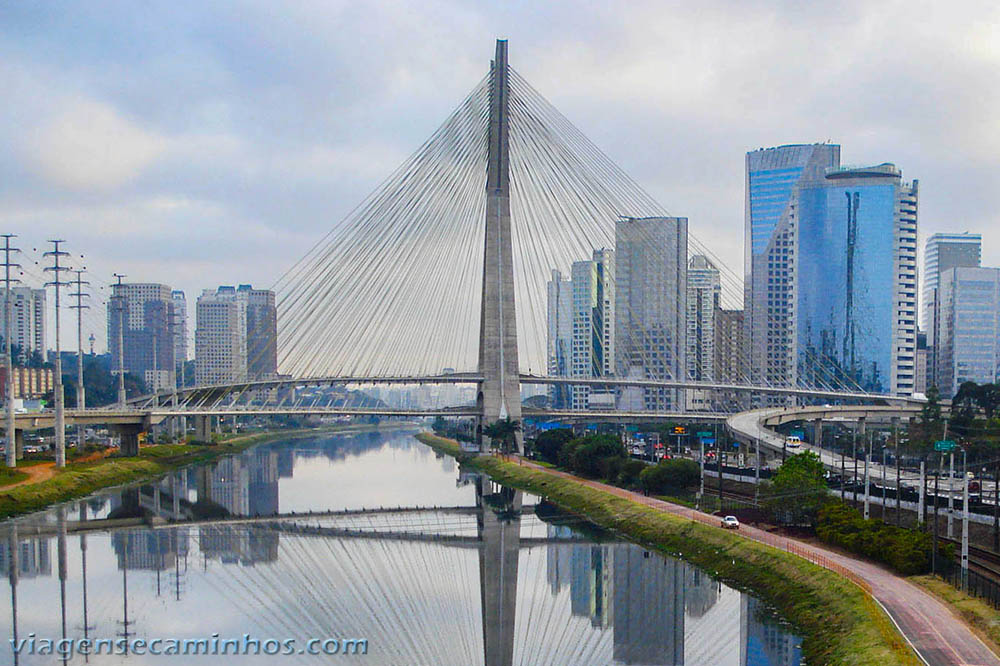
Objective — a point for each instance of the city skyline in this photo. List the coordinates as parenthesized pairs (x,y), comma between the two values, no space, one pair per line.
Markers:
(203,182)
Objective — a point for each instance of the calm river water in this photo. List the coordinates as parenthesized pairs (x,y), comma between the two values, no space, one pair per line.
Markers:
(413,561)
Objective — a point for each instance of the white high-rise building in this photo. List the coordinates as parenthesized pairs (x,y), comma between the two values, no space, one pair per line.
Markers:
(704,289)
(180,325)
(27,319)
(220,337)
(593,346)
(969,328)
(651,307)
(942,253)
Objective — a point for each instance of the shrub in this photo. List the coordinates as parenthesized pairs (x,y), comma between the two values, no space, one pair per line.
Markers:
(675,473)
(549,443)
(631,469)
(596,456)
(905,550)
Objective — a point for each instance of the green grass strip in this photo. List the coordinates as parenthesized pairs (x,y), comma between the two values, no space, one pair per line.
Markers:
(840,623)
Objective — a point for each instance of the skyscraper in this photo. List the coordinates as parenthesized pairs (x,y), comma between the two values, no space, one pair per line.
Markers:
(969,328)
(180,320)
(262,331)
(773,177)
(730,355)
(144,311)
(559,339)
(220,337)
(651,306)
(942,253)
(704,289)
(855,280)
(593,310)
(27,309)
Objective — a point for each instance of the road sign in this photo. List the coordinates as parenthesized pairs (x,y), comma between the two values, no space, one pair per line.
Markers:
(680,430)
(944,445)
(705,434)
(736,445)
(708,441)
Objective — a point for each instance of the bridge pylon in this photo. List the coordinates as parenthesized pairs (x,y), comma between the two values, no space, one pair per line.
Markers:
(500,391)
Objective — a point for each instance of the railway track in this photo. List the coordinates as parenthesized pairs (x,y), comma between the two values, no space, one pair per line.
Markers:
(985,561)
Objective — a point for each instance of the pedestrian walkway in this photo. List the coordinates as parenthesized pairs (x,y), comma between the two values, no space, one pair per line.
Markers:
(938,636)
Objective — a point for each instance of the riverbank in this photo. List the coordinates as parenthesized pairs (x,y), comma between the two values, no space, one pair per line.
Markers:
(841,623)
(81,479)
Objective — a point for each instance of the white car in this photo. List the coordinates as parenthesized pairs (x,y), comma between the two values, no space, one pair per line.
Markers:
(730,523)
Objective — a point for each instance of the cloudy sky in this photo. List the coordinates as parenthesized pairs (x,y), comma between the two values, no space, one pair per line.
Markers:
(199,143)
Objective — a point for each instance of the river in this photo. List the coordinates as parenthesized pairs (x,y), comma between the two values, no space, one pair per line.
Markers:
(405,559)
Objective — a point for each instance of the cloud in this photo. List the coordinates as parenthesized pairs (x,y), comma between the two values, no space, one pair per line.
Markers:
(91,146)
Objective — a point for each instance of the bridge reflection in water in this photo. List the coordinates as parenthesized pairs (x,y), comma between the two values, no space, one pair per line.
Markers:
(550,589)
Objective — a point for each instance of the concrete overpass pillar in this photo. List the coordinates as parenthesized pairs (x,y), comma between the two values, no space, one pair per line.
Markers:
(818,432)
(203,429)
(19,443)
(129,434)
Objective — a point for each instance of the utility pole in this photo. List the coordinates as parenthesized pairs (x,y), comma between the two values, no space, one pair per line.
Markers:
(854,454)
(57,283)
(868,460)
(951,492)
(934,547)
(11,448)
(965,522)
(119,300)
(899,485)
(81,400)
(921,515)
(843,470)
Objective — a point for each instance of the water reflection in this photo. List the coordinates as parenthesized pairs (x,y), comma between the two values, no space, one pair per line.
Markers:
(466,572)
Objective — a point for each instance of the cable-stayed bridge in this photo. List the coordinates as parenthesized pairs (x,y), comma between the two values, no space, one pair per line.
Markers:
(454,262)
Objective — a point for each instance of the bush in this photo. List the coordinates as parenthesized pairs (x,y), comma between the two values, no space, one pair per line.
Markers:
(549,443)
(672,474)
(630,472)
(595,456)
(905,550)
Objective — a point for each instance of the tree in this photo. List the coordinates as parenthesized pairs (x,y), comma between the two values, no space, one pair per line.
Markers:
(550,442)
(798,490)
(596,456)
(673,473)
(440,425)
(963,408)
(988,399)
(504,432)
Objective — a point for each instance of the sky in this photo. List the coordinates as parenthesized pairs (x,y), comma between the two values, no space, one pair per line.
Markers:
(206,143)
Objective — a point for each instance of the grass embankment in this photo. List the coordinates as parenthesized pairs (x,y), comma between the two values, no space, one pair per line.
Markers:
(80,479)
(841,624)
(983,618)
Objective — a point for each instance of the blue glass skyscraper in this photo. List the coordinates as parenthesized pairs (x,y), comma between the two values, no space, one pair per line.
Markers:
(773,178)
(855,282)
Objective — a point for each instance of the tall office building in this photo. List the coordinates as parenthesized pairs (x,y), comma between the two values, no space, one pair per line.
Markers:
(730,365)
(651,307)
(773,177)
(220,337)
(855,280)
(969,328)
(144,312)
(262,331)
(943,252)
(593,310)
(704,289)
(179,313)
(559,338)
(27,320)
